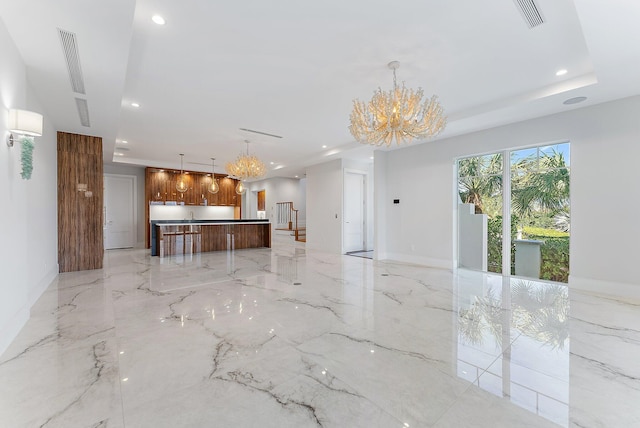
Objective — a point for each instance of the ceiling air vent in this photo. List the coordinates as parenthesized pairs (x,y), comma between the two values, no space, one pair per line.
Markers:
(530,12)
(71,54)
(83,112)
(260,132)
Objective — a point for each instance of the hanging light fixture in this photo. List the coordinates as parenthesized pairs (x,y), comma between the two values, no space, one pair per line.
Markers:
(246,166)
(214,187)
(398,114)
(181,184)
(240,188)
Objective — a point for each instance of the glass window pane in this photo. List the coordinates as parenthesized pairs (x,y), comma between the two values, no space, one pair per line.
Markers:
(480,186)
(555,156)
(524,161)
(540,212)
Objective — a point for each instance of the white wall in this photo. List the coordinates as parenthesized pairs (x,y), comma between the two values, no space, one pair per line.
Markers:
(138,172)
(605,204)
(324,206)
(277,189)
(28,218)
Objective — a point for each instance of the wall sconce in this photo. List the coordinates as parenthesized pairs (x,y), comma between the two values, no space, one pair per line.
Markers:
(25,123)
(28,124)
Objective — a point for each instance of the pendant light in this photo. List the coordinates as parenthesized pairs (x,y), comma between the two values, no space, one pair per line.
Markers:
(214,187)
(240,189)
(181,184)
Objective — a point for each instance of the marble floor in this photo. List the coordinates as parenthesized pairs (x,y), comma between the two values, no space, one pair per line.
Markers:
(286,337)
(368,254)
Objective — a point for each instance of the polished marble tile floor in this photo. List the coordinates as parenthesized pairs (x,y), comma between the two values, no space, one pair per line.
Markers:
(368,254)
(293,338)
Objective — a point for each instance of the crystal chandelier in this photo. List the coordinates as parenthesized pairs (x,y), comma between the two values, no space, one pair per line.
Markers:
(399,113)
(181,184)
(214,187)
(245,166)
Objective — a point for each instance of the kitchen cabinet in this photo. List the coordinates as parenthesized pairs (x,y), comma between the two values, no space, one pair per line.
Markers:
(160,188)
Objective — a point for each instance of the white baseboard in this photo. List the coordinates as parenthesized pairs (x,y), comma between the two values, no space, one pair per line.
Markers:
(419,260)
(45,282)
(12,328)
(618,289)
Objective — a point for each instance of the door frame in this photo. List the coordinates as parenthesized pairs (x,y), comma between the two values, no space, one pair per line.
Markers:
(365,183)
(134,183)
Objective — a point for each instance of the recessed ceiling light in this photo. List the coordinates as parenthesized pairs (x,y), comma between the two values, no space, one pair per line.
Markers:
(135,105)
(158,19)
(574,100)
(271,163)
(371,157)
(124,142)
(324,146)
(296,176)
(561,72)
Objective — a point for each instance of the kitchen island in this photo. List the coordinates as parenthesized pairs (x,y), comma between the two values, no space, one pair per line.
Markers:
(171,237)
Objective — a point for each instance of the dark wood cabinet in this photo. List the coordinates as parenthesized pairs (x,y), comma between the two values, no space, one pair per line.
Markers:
(160,188)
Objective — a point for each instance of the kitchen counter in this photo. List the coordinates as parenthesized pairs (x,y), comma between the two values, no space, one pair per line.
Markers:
(169,237)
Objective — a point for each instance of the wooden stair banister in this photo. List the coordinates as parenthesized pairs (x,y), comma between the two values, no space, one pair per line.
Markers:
(287,215)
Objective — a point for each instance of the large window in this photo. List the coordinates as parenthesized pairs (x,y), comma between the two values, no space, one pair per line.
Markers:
(516,223)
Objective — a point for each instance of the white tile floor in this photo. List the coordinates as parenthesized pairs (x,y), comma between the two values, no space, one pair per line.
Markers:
(293,338)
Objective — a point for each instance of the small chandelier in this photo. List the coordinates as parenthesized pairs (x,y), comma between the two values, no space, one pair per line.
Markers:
(398,114)
(245,166)
(240,188)
(214,187)
(181,184)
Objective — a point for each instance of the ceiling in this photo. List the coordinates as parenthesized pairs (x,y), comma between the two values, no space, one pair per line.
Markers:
(292,69)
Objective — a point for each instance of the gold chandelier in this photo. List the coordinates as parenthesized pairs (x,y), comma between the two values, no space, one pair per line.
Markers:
(245,166)
(398,114)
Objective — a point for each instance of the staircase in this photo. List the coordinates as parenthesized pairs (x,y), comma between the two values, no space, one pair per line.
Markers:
(301,234)
(287,219)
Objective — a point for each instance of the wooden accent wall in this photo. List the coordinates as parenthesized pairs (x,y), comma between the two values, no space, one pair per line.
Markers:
(80,222)
(261,200)
(160,188)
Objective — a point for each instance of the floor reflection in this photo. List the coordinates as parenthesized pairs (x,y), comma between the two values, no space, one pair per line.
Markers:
(527,322)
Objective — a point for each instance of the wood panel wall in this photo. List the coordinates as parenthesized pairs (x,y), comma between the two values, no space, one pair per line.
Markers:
(80,221)
(160,187)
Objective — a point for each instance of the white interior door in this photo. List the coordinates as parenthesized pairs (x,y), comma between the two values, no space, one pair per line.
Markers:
(119,215)
(354,191)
